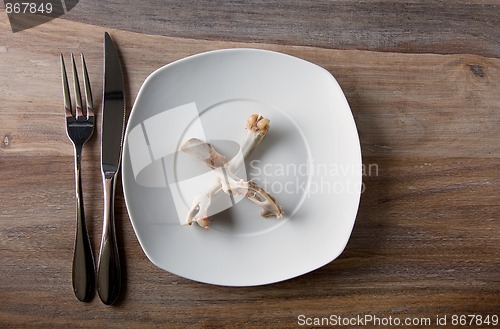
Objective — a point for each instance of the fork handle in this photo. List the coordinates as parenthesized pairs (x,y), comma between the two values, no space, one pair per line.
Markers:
(108,268)
(83,260)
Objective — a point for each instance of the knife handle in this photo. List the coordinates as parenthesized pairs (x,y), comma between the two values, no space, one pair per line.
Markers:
(83,261)
(108,268)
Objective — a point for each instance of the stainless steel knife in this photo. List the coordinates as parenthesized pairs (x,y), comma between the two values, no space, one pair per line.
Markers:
(112,130)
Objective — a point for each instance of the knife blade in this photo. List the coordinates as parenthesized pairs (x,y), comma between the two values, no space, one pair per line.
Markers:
(112,130)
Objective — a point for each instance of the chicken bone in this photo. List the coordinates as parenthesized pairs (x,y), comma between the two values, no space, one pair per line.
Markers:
(226,179)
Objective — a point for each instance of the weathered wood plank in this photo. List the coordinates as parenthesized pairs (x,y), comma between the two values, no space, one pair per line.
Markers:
(404,104)
(444,27)
(424,243)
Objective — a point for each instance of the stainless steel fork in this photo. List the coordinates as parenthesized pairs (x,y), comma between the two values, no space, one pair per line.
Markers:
(80,127)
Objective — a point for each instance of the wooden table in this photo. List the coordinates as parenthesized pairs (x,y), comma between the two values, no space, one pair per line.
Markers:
(423,82)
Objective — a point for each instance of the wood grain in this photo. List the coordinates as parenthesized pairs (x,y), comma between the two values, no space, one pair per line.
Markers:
(444,27)
(426,240)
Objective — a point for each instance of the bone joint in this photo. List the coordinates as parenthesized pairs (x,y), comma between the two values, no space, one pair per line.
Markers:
(226,179)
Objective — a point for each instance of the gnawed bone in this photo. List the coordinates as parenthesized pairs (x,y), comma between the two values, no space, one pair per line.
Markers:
(252,191)
(226,180)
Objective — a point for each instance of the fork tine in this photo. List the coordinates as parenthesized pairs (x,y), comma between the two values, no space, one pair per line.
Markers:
(78,96)
(67,100)
(88,91)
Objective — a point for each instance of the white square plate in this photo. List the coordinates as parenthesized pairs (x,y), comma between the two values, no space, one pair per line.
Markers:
(310,161)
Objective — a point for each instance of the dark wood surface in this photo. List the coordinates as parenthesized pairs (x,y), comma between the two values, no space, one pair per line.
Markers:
(422,79)
(442,27)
